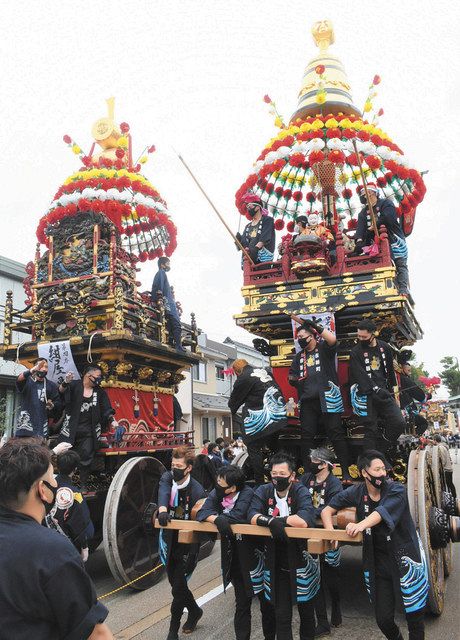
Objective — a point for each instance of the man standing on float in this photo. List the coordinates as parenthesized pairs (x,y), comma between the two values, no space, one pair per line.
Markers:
(313,373)
(259,235)
(161,286)
(372,385)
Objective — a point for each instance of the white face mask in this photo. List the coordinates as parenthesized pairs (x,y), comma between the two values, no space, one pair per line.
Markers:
(296,229)
(313,220)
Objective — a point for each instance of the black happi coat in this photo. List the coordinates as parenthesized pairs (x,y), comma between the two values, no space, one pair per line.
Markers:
(361,383)
(326,377)
(403,541)
(264,232)
(264,408)
(101,412)
(304,569)
(243,548)
(33,414)
(321,494)
(386,215)
(167,539)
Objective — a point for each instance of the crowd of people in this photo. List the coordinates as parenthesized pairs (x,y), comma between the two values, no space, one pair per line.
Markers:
(373,387)
(278,569)
(46,593)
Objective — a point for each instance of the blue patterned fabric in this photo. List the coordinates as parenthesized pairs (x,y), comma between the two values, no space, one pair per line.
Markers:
(162,548)
(334,402)
(332,557)
(274,409)
(264,255)
(367,582)
(398,248)
(257,574)
(359,403)
(308,580)
(414,583)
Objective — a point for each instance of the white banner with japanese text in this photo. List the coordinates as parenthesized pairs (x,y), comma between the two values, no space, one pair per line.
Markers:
(60,360)
(327,320)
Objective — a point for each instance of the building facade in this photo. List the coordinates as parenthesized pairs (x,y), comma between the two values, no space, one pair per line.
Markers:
(12,274)
(212,386)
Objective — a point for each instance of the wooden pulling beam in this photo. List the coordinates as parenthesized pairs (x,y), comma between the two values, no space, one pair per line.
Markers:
(319,540)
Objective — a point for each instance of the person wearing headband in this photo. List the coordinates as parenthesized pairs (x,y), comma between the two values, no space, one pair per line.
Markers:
(385,213)
(258,237)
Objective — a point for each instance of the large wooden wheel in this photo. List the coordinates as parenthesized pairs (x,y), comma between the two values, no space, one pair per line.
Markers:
(441,491)
(130,542)
(423,497)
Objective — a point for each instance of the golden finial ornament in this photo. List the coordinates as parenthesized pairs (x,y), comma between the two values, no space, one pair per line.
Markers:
(323,34)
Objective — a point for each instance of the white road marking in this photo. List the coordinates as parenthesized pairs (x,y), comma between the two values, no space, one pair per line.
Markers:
(212,594)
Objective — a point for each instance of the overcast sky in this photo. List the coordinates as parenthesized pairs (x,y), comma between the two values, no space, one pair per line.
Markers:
(191,76)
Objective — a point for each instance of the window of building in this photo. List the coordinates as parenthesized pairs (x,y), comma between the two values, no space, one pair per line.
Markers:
(199,372)
(209,428)
(220,372)
(226,426)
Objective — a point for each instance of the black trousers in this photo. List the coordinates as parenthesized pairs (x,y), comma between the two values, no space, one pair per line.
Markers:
(311,414)
(243,602)
(385,602)
(283,610)
(388,410)
(182,596)
(329,583)
(84,446)
(175,330)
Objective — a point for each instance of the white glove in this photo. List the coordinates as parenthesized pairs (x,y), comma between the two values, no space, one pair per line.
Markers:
(84,554)
(61,448)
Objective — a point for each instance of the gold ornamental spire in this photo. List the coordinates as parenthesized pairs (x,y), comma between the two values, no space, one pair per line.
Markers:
(336,85)
(106,132)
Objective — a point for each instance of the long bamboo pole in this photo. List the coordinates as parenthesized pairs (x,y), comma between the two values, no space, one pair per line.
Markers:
(363,178)
(235,239)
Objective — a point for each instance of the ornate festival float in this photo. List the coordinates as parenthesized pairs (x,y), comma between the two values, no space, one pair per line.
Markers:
(314,165)
(84,306)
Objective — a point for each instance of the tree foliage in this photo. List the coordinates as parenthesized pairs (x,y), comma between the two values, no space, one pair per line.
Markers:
(450,375)
(417,370)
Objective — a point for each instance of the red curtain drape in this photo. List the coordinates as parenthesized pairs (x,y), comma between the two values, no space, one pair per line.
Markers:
(123,401)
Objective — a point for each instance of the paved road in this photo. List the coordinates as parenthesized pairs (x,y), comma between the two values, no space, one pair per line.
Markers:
(145,615)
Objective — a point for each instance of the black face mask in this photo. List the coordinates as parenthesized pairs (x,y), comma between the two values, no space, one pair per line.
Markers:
(281,483)
(302,343)
(377,482)
(167,268)
(96,381)
(220,492)
(41,374)
(178,474)
(314,467)
(366,343)
(363,199)
(251,213)
(49,505)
